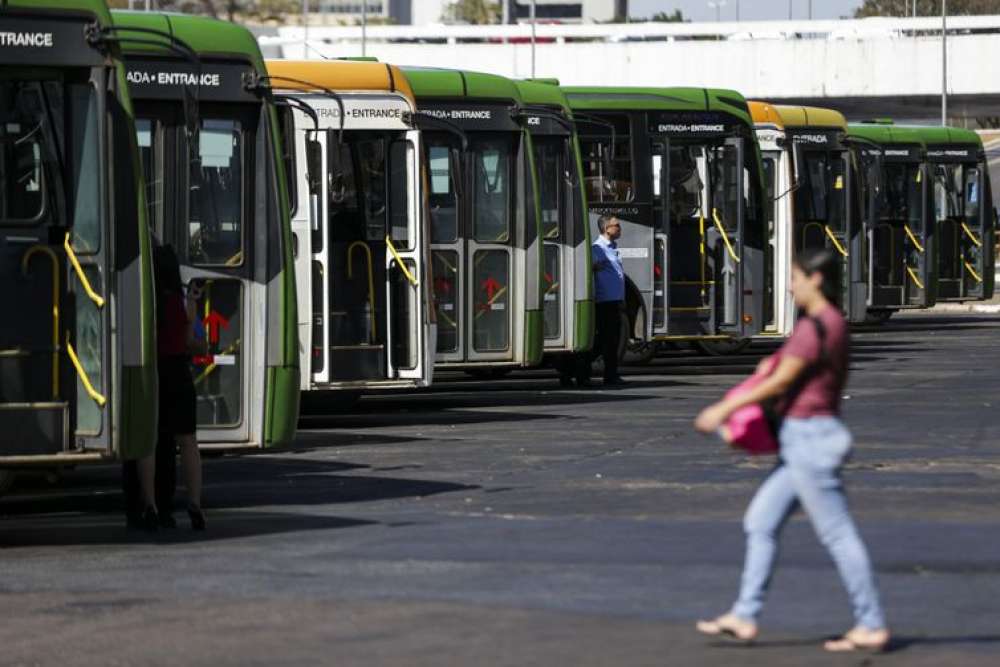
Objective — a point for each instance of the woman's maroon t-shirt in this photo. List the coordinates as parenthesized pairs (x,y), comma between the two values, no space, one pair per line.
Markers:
(819,391)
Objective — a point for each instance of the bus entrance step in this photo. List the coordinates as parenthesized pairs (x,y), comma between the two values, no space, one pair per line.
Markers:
(357,362)
(26,376)
(34,428)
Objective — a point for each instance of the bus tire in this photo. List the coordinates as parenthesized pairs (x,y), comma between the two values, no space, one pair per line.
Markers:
(721,348)
(6,481)
(877,316)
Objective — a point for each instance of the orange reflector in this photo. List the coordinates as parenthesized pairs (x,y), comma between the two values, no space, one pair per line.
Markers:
(747,319)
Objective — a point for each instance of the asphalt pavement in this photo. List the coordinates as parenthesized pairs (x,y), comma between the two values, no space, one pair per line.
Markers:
(514,522)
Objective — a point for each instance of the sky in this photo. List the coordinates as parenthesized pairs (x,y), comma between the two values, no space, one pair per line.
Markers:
(699,10)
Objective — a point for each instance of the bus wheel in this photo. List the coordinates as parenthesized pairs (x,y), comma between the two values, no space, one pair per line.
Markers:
(6,481)
(721,348)
(487,373)
(877,316)
(640,353)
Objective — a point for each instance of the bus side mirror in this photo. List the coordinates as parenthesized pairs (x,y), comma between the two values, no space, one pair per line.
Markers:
(798,161)
(314,165)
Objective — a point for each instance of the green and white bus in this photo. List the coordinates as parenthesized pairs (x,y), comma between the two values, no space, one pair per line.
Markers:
(486,228)
(901,263)
(568,299)
(210,144)
(355,162)
(77,356)
(963,209)
(681,169)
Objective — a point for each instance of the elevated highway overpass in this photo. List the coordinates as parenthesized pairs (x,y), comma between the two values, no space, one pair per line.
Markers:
(864,67)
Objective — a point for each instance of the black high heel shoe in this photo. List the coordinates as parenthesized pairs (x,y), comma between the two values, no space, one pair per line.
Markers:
(197,518)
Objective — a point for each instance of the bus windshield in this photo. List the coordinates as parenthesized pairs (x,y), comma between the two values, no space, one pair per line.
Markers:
(948,187)
(46,126)
(821,192)
(902,198)
(367,186)
(493,172)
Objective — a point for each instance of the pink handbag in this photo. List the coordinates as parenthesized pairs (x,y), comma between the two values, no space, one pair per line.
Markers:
(749,428)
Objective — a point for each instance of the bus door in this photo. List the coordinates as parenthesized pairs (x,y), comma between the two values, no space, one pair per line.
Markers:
(724,233)
(218,266)
(555,163)
(975,234)
(856,284)
(55,342)
(664,198)
(490,172)
(367,317)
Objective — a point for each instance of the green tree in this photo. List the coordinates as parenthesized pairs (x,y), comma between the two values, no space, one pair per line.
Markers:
(926,8)
(665,17)
(475,12)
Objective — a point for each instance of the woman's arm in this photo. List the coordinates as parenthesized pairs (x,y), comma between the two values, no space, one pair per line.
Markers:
(776,384)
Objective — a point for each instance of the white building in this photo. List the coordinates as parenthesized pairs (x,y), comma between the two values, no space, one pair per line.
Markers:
(424,12)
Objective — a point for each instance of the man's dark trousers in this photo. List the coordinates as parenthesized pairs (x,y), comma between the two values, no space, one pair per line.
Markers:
(607,336)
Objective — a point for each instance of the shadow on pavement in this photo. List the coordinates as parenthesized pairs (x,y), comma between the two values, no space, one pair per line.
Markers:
(91,530)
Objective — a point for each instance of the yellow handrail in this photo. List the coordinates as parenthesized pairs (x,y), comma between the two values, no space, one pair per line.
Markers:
(82,374)
(371,278)
(701,250)
(914,278)
(48,252)
(94,296)
(399,260)
(836,243)
(725,236)
(968,267)
(977,242)
(913,238)
(496,295)
(212,366)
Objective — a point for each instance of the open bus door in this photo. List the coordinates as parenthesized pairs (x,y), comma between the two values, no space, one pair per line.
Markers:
(725,233)
(977,258)
(856,285)
(366,239)
(903,265)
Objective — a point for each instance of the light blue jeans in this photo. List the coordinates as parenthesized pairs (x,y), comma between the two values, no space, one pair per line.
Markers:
(812,453)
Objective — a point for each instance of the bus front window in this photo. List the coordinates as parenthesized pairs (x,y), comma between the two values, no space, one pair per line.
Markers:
(215,225)
(492,189)
(27,150)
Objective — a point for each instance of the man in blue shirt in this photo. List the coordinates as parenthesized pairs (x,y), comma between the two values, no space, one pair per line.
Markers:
(609,293)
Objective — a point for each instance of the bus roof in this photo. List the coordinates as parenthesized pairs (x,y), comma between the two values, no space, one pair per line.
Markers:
(207,36)
(459,84)
(339,75)
(98,8)
(794,116)
(662,99)
(936,134)
(543,93)
(885,134)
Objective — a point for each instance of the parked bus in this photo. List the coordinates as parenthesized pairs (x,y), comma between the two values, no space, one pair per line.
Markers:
(681,169)
(901,269)
(209,140)
(963,210)
(486,228)
(815,189)
(77,358)
(568,301)
(359,224)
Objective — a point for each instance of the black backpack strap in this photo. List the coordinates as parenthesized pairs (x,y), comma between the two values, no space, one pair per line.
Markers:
(821,334)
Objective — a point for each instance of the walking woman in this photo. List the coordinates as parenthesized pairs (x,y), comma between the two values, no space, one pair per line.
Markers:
(176,342)
(808,380)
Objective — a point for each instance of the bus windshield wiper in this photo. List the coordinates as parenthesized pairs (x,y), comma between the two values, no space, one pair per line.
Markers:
(422,121)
